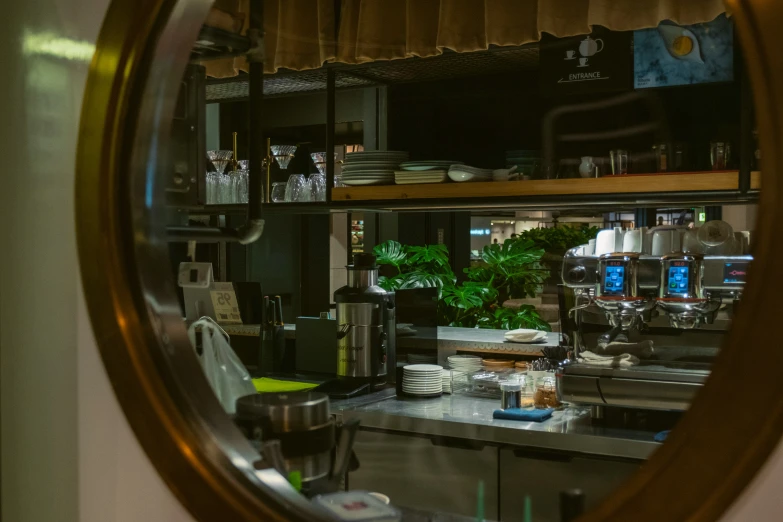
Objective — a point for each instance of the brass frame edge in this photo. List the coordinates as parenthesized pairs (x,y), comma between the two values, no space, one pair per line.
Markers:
(173,432)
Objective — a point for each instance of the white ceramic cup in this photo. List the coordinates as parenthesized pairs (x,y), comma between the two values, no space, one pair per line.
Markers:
(605,242)
(632,241)
(619,238)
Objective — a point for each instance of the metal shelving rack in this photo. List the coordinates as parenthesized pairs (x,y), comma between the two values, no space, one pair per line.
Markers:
(450,65)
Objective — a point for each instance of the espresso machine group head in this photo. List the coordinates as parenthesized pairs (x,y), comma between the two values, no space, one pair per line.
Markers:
(682,294)
(619,294)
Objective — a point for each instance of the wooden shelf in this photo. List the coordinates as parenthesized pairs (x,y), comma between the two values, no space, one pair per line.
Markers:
(631,184)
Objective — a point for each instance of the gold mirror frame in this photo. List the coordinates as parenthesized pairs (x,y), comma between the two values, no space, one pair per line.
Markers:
(141,52)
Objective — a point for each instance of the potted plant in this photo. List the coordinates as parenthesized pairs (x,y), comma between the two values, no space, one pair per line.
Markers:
(507,271)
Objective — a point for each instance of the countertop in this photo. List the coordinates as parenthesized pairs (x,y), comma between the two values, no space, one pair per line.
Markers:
(448,337)
(466,417)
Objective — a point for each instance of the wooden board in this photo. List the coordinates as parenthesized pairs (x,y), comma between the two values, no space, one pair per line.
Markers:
(631,184)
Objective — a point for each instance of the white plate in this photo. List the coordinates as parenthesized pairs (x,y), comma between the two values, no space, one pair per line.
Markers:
(426,389)
(422,367)
(362,182)
(370,166)
(368,176)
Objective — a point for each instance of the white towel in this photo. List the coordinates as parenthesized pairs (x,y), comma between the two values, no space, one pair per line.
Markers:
(524,335)
(618,361)
(642,349)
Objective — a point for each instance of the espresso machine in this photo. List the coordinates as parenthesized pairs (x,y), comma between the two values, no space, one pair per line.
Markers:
(366,331)
(657,300)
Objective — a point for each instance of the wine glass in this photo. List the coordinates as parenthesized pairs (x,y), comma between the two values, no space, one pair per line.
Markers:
(283,154)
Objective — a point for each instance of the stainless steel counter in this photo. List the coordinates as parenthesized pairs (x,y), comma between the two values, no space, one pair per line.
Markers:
(569,430)
(449,338)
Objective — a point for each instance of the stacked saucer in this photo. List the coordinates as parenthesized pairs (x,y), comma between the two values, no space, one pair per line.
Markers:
(405,177)
(424,165)
(468,173)
(423,380)
(372,167)
(465,363)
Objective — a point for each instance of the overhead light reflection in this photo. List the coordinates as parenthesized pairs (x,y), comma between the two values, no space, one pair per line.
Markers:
(50,44)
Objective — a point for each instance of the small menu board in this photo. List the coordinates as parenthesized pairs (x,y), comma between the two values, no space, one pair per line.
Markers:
(598,62)
(224,303)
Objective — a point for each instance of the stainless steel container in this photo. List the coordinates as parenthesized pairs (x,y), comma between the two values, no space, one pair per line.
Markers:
(365,315)
(510,395)
(300,421)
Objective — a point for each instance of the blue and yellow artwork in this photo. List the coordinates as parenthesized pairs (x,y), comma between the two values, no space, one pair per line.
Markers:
(672,54)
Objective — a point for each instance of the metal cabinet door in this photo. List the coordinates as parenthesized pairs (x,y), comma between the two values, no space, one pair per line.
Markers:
(427,473)
(543,475)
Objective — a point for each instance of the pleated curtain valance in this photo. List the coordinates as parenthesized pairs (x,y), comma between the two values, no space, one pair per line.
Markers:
(300,33)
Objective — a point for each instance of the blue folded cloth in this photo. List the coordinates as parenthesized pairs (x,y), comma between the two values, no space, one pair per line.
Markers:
(518,414)
(661,436)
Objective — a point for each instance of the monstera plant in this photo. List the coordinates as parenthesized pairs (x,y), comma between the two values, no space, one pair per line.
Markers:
(510,270)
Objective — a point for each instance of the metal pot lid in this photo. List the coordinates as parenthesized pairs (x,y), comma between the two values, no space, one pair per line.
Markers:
(286,411)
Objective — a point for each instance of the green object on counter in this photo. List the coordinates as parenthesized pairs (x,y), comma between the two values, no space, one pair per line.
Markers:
(267,385)
(528,516)
(480,502)
(295,479)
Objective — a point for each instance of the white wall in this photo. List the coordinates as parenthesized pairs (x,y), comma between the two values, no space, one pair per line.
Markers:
(67,452)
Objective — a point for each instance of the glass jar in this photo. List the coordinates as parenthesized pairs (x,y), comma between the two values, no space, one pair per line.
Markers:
(545,395)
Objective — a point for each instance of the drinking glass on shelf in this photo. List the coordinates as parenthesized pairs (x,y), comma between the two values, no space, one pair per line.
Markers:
(242,186)
(278,191)
(212,188)
(619,161)
(317,187)
(224,189)
(294,187)
(720,155)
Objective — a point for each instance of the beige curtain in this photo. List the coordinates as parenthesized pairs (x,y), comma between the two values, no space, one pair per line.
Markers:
(391,29)
(300,33)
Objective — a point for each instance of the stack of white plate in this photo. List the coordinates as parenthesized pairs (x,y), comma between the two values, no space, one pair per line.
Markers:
(420,358)
(424,165)
(467,173)
(422,379)
(371,167)
(465,363)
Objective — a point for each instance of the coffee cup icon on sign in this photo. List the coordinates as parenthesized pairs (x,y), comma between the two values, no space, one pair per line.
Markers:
(582,62)
(570,55)
(588,46)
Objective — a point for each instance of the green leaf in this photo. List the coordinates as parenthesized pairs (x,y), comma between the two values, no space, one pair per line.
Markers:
(464,297)
(511,255)
(390,253)
(437,255)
